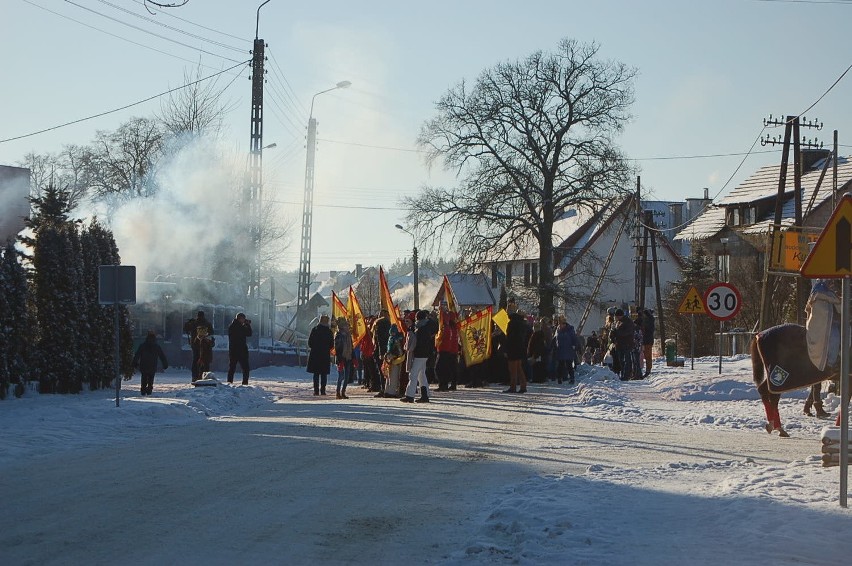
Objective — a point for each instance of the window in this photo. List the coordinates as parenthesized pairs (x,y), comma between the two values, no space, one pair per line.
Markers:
(508,275)
(526,274)
(534,270)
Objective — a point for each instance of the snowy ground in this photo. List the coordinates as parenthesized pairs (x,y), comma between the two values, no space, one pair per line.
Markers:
(676,469)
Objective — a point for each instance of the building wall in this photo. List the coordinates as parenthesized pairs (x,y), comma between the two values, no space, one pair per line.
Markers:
(14,206)
(618,289)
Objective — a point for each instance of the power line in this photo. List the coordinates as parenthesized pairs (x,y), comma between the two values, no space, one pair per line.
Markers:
(299,203)
(143,30)
(137,103)
(373,146)
(846,2)
(142,2)
(116,35)
(286,82)
(167,26)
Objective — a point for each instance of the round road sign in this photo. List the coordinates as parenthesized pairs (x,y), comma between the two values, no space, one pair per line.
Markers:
(722,301)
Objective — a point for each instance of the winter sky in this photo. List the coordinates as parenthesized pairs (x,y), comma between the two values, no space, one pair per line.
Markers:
(709,73)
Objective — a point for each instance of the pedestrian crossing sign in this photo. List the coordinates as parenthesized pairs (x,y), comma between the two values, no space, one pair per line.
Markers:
(692,303)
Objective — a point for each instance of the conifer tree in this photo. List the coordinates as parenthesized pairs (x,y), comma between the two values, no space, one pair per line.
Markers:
(55,283)
(15,326)
(100,249)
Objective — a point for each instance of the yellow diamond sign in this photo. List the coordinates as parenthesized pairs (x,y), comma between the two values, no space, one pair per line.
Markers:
(692,303)
(832,253)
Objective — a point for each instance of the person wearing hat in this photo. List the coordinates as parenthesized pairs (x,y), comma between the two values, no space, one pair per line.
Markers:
(320,344)
(191,329)
(623,338)
(238,333)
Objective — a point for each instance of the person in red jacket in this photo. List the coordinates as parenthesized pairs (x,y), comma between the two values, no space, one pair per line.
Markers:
(448,350)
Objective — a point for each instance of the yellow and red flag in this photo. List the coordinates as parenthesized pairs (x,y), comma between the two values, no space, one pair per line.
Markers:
(357,326)
(452,306)
(475,333)
(450,297)
(338,309)
(387,302)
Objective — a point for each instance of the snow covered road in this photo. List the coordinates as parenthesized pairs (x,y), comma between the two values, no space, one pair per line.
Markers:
(603,473)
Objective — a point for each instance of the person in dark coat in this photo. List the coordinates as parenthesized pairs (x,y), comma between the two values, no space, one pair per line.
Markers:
(622,335)
(381,335)
(320,343)
(565,342)
(191,329)
(146,358)
(517,339)
(238,332)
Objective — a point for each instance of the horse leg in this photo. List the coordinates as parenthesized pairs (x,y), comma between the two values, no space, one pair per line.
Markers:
(770,406)
(770,400)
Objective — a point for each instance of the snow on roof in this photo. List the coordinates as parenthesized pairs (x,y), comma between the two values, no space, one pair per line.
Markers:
(706,225)
(526,247)
(470,289)
(763,184)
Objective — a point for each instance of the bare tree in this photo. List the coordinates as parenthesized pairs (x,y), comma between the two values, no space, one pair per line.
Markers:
(123,162)
(530,140)
(43,169)
(198,108)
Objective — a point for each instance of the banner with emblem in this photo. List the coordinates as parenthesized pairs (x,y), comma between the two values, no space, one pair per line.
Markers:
(357,326)
(338,309)
(387,301)
(475,334)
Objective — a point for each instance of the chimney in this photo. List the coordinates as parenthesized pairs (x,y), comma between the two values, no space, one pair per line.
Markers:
(359,270)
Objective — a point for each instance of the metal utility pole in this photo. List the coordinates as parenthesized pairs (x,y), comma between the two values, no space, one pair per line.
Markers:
(252,195)
(307,224)
(308,211)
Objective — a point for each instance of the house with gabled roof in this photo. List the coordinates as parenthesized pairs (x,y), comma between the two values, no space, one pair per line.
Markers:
(472,291)
(589,243)
(741,223)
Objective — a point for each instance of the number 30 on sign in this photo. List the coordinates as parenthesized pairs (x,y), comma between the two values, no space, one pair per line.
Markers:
(722,301)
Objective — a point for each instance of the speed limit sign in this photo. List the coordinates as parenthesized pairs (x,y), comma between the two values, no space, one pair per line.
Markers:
(722,301)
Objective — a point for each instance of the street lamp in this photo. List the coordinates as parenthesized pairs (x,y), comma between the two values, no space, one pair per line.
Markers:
(308,208)
(414,261)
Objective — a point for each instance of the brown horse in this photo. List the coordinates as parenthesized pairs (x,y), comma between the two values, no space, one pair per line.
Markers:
(780,362)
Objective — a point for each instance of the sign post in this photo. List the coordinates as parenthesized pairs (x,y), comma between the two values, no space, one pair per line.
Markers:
(692,304)
(831,258)
(117,286)
(723,302)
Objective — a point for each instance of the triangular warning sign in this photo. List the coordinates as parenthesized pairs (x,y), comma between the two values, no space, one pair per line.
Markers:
(832,253)
(692,303)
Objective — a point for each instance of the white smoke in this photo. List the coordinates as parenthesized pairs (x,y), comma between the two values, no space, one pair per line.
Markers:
(193,213)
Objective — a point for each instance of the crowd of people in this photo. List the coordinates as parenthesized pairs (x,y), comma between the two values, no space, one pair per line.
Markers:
(402,365)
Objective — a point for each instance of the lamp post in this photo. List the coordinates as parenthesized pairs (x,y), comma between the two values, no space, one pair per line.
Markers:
(414,261)
(308,208)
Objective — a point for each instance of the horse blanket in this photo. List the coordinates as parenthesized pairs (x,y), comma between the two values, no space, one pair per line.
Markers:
(784,350)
